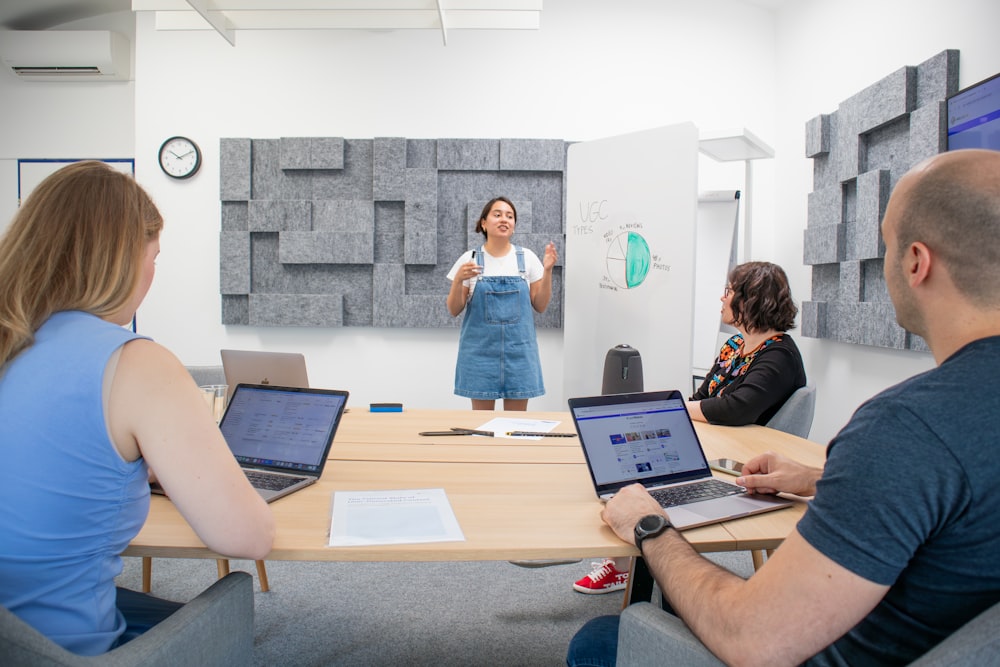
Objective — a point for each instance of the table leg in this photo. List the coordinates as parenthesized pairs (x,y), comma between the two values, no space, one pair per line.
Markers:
(262,575)
(147,573)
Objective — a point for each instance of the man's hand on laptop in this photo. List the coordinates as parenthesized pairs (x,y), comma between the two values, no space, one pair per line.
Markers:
(774,473)
(626,508)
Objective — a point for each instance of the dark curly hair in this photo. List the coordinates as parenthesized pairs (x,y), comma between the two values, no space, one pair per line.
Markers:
(486,212)
(762,299)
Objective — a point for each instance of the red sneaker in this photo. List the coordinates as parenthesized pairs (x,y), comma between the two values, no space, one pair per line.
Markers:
(605,578)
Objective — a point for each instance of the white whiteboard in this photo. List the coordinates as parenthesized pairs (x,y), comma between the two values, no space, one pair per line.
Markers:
(629,270)
(715,255)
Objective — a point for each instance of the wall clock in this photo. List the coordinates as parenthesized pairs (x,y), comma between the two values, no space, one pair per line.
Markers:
(180,157)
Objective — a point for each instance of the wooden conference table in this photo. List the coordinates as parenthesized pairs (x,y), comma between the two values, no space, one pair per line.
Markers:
(514,499)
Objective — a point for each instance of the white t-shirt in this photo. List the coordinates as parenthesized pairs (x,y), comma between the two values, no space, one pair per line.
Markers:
(501,266)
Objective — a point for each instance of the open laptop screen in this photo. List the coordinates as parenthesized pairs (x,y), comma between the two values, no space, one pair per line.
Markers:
(282,427)
(638,437)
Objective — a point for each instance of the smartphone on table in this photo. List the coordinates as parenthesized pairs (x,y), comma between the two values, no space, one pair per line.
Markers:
(728,466)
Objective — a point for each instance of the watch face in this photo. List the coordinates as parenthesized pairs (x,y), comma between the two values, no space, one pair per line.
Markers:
(651,522)
(179,157)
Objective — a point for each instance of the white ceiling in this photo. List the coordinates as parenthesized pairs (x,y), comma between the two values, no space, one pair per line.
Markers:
(290,14)
(45,14)
(230,16)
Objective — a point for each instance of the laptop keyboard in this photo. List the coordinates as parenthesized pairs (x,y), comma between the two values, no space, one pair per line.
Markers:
(263,480)
(692,493)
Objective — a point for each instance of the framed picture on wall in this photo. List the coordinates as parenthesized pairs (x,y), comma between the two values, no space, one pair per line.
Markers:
(31,172)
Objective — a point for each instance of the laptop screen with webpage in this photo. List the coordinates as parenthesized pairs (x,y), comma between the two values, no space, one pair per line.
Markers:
(289,429)
(643,437)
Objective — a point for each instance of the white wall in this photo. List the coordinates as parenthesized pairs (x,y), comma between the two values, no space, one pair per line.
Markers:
(595,69)
(826,52)
(63,120)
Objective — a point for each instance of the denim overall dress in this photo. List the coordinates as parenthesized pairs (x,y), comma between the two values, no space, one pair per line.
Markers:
(497,350)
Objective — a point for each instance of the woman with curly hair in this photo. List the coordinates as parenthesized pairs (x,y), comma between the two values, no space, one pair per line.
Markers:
(759,367)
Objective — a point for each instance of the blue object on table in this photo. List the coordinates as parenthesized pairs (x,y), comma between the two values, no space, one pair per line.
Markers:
(385,407)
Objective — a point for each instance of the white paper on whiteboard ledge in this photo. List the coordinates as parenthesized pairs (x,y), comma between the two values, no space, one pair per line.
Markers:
(392,517)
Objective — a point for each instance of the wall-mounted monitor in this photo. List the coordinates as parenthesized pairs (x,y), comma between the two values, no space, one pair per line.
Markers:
(974,116)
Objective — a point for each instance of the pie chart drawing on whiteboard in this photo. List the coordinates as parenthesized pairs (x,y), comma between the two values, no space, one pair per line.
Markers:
(628,260)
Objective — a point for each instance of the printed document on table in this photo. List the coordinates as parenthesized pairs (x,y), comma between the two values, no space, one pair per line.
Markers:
(392,517)
(501,426)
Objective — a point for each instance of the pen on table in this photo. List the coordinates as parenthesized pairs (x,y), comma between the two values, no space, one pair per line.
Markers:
(471,431)
(542,434)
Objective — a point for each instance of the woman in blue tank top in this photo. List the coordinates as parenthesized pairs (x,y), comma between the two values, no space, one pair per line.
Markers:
(88,409)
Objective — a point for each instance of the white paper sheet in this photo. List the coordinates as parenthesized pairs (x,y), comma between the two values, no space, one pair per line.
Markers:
(501,426)
(392,517)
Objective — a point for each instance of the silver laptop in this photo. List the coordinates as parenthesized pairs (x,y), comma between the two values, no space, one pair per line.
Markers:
(649,438)
(287,369)
(281,436)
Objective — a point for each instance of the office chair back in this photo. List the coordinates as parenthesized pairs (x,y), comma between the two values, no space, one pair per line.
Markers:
(796,415)
(975,643)
(204,375)
(215,628)
(649,635)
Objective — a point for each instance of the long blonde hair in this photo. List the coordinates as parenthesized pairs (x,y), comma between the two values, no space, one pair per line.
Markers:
(77,243)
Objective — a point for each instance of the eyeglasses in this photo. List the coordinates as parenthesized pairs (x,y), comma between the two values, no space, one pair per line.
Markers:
(727,291)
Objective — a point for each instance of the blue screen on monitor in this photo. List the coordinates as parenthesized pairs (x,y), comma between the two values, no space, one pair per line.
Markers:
(974,116)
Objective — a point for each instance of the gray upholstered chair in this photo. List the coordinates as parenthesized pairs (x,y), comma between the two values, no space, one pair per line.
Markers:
(215,628)
(796,415)
(649,635)
(975,643)
(205,375)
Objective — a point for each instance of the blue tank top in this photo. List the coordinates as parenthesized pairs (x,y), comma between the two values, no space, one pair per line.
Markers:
(71,504)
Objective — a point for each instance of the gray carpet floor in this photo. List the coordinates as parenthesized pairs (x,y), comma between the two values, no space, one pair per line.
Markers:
(440,614)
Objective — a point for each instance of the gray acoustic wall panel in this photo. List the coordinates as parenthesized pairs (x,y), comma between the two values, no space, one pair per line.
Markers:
(310,310)
(277,215)
(859,152)
(532,155)
(235,216)
(234,251)
(234,169)
(468,154)
(312,153)
(818,136)
(389,169)
(328,232)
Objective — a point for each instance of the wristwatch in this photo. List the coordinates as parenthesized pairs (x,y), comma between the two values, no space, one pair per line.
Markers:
(648,526)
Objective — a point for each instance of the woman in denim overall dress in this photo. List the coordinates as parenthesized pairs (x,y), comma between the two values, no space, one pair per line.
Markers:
(497,285)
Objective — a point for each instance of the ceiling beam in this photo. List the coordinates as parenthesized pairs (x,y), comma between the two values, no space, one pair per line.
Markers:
(444,28)
(215,18)
(354,20)
(342,5)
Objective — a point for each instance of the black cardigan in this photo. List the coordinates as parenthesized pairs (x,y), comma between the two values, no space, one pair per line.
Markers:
(754,397)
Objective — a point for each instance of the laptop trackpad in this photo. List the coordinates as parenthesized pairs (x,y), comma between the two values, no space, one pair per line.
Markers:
(721,509)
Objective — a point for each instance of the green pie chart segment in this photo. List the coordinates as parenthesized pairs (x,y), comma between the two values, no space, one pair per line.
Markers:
(628,260)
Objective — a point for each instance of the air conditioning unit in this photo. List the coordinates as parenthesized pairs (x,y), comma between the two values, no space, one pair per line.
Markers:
(66,55)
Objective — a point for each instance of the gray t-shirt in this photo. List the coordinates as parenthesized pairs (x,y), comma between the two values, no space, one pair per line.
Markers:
(908,499)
